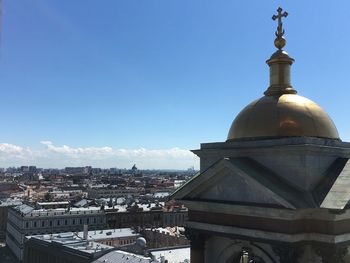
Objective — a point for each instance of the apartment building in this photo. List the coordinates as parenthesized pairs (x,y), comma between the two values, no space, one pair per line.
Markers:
(25,220)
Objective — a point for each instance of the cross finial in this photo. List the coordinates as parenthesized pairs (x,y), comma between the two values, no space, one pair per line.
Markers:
(280,41)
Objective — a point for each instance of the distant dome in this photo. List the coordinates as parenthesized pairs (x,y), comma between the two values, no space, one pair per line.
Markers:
(287,115)
(141,242)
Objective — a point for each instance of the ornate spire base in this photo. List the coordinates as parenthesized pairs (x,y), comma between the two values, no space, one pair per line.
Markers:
(280,62)
(280,82)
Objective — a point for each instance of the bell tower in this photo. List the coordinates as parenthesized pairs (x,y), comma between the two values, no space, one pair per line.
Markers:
(278,189)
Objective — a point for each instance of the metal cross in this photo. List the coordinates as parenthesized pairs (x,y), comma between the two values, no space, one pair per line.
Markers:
(280,30)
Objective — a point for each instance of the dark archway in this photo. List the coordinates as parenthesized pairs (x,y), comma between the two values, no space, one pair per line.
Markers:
(244,252)
(246,256)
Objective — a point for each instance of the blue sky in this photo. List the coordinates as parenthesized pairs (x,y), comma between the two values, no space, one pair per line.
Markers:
(155,75)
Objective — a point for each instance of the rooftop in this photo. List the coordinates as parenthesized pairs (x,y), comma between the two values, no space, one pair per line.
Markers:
(123,257)
(29,211)
(53,203)
(173,255)
(109,233)
(72,241)
(10,202)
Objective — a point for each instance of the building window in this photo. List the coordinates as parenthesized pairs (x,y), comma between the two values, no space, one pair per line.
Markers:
(87,221)
(34,223)
(73,221)
(50,222)
(81,221)
(27,224)
(66,222)
(42,223)
(58,222)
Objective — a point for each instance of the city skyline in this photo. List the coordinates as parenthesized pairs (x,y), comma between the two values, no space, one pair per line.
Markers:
(52,156)
(144,82)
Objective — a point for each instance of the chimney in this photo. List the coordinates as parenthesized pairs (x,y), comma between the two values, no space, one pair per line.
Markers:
(85,236)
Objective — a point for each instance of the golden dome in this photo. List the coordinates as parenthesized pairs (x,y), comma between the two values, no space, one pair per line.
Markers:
(288,115)
(282,113)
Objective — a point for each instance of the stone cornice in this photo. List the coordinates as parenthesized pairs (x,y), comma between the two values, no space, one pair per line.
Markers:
(259,235)
(267,212)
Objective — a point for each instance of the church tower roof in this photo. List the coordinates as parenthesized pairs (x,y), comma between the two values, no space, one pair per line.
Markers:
(281,112)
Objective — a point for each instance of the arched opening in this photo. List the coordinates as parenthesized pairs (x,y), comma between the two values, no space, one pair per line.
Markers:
(246,256)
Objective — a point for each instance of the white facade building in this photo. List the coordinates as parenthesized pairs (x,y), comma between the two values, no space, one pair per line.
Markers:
(24,220)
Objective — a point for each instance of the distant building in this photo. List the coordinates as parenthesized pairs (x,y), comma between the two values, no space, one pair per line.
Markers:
(172,254)
(24,169)
(164,237)
(112,237)
(104,192)
(9,189)
(62,248)
(81,248)
(32,169)
(74,170)
(175,217)
(135,216)
(124,257)
(25,220)
(67,194)
(52,205)
(4,206)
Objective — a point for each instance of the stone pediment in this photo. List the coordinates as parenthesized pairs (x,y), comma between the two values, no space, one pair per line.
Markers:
(333,191)
(243,181)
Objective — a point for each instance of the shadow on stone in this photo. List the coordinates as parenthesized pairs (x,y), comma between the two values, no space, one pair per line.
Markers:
(6,255)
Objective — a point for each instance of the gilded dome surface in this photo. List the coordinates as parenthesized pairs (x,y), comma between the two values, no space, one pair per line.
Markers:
(287,115)
(281,112)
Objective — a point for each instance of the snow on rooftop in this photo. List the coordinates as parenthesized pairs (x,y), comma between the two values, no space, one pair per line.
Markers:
(31,211)
(123,257)
(73,241)
(25,209)
(174,255)
(10,202)
(161,194)
(109,233)
(54,203)
(93,235)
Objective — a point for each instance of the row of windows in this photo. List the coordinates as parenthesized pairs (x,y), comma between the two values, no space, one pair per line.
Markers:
(121,242)
(59,222)
(125,242)
(137,217)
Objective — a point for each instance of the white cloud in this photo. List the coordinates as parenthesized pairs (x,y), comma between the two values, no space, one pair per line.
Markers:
(10,148)
(15,152)
(76,152)
(60,156)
